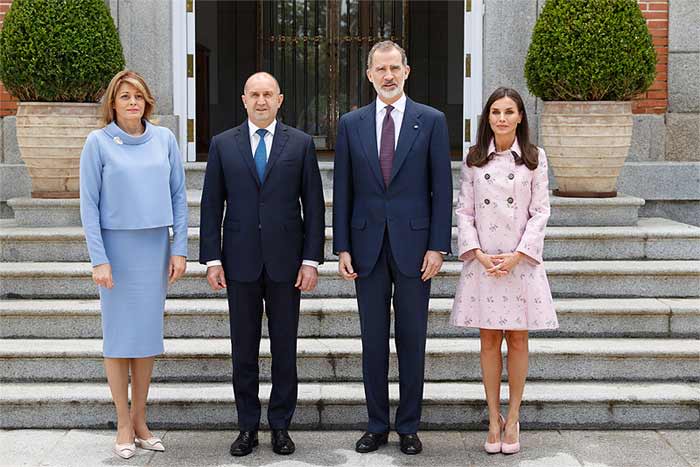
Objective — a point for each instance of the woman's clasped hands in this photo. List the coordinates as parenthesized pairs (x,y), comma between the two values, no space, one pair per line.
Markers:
(498,265)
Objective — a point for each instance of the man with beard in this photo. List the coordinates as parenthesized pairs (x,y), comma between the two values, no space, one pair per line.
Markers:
(392,217)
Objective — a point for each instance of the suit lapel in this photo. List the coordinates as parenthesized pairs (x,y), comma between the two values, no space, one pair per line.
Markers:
(410,127)
(367,134)
(279,140)
(243,140)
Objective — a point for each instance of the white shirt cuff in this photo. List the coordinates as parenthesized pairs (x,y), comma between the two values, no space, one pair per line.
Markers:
(306,262)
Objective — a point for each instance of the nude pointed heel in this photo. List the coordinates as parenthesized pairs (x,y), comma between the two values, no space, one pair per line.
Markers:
(495,448)
(125,451)
(512,448)
(151,444)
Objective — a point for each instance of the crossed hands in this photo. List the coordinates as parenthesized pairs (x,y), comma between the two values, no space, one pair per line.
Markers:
(102,273)
(432,262)
(498,265)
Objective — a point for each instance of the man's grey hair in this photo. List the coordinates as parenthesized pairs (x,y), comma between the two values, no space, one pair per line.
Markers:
(386,45)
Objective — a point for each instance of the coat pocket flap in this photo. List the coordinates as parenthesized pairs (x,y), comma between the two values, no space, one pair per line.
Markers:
(358,224)
(420,223)
(231,225)
(293,226)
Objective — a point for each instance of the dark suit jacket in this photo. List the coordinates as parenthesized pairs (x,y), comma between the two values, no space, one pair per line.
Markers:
(416,209)
(263,223)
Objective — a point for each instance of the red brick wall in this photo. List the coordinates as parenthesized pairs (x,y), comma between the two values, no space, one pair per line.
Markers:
(655,100)
(8,105)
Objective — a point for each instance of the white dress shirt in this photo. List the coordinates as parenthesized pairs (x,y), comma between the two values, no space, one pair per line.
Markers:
(255,137)
(396,115)
(254,141)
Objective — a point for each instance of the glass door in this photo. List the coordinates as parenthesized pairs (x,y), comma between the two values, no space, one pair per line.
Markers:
(317,51)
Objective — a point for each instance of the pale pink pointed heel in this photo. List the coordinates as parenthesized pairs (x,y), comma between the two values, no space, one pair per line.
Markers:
(151,444)
(512,448)
(125,451)
(495,448)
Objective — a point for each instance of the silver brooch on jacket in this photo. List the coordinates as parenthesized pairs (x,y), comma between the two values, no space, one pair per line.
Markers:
(117,140)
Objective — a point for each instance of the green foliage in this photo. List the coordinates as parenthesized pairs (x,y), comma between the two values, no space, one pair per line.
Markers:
(590,50)
(59,50)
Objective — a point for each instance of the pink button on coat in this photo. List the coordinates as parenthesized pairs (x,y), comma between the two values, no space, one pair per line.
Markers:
(502,208)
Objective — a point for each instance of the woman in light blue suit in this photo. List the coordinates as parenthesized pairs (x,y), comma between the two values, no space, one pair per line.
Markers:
(132,189)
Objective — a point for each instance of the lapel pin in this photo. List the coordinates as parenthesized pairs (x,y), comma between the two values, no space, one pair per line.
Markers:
(118,140)
(415,127)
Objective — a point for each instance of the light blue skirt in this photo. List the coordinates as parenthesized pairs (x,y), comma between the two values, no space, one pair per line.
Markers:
(132,311)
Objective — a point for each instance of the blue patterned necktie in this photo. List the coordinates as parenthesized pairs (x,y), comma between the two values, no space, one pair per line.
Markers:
(261,154)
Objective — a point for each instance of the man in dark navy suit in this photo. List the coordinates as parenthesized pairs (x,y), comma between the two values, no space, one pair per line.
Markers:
(266,174)
(392,217)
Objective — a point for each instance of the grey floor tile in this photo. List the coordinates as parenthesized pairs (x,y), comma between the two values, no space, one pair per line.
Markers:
(538,449)
(314,448)
(685,443)
(27,447)
(621,449)
(336,448)
(91,448)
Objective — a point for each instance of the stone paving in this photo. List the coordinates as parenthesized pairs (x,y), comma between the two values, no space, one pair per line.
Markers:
(88,448)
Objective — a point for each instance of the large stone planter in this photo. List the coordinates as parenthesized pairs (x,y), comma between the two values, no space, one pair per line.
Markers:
(586,144)
(50,136)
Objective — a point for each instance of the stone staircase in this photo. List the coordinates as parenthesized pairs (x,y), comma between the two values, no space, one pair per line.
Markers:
(627,354)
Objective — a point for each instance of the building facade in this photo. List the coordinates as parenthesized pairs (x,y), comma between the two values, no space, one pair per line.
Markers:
(196,55)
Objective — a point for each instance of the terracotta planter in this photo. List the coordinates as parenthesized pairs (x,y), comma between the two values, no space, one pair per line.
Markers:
(50,136)
(586,144)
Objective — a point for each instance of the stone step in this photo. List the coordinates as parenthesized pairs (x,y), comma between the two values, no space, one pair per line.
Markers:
(653,238)
(590,279)
(337,317)
(546,405)
(340,360)
(620,211)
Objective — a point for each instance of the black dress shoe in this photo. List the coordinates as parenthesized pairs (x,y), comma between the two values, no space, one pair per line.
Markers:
(371,441)
(410,444)
(282,443)
(244,444)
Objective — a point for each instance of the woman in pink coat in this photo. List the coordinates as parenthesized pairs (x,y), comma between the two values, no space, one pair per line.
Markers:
(502,211)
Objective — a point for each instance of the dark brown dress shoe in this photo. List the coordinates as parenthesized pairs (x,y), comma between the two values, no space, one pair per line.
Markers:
(244,444)
(282,443)
(410,444)
(371,441)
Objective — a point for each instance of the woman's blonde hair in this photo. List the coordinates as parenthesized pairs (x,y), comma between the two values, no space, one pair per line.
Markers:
(137,81)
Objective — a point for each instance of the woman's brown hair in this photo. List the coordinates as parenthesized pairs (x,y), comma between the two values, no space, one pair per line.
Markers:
(137,81)
(478,154)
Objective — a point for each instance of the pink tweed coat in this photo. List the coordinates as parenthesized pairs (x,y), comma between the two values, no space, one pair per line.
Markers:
(502,208)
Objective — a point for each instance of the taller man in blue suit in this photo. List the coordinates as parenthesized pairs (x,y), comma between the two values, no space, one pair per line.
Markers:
(266,174)
(392,211)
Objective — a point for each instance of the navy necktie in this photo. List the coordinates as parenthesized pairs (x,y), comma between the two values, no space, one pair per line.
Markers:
(260,157)
(386,146)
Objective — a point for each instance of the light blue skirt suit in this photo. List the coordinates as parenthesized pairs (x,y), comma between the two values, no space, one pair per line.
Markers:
(132,189)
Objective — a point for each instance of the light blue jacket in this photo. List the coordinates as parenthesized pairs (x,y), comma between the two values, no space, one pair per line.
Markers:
(132,182)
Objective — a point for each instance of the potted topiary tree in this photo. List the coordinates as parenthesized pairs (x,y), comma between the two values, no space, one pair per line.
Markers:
(587,59)
(57,58)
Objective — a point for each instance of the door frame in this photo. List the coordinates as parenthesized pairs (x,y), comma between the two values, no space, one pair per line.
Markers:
(473,69)
(184,95)
(184,86)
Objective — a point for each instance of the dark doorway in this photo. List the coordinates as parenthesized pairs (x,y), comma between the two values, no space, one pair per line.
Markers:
(318,50)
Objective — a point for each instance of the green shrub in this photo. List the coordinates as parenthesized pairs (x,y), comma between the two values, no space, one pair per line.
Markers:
(59,50)
(590,50)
